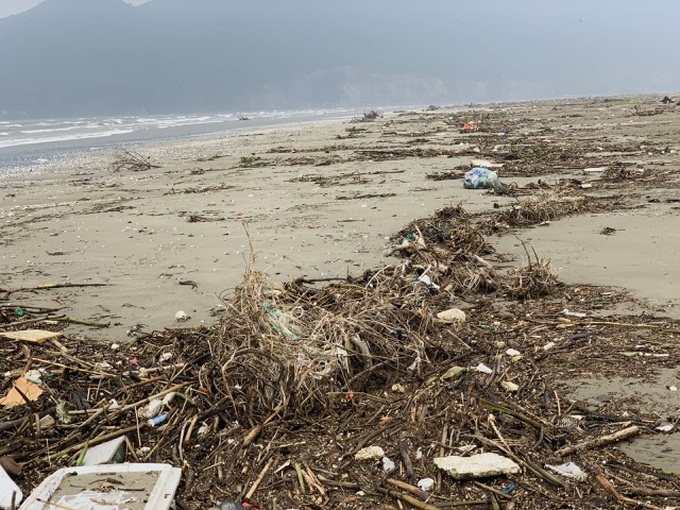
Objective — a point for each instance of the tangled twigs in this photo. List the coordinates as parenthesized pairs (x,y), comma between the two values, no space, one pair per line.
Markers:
(126,159)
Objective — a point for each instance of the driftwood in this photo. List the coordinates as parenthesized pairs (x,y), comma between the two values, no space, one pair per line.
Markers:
(599,441)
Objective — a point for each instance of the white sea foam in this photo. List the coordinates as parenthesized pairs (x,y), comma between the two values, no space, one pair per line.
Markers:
(52,139)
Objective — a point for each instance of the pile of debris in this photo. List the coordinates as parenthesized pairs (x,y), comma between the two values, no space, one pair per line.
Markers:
(431,383)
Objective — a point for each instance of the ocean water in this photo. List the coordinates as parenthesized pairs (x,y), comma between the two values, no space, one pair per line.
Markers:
(27,144)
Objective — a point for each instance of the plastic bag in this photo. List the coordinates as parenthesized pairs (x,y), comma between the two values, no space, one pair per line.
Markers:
(481,178)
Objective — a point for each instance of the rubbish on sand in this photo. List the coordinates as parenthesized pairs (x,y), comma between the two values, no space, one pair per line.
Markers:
(370,453)
(10,493)
(570,470)
(144,486)
(480,178)
(36,336)
(476,466)
(111,452)
(22,391)
(483,369)
(485,163)
(452,315)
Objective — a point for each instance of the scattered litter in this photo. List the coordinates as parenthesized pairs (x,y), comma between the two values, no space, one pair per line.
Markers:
(509,386)
(152,409)
(480,178)
(22,390)
(469,127)
(36,336)
(594,169)
(370,453)
(570,470)
(482,465)
(485,163)
(452,315)
(665,427)
(569,313)
(110,452)
(513,352)
(181,316)
(425,484)
(423,278)
(9,491)
(483,369)
(157,420)
(143,486)
(388,465)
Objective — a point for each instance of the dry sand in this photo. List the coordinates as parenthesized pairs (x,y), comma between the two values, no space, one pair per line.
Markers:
(79,222)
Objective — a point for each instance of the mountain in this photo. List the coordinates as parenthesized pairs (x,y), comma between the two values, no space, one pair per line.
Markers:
(71,58)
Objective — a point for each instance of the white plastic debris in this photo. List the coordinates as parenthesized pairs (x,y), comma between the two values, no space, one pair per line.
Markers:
(152,409)
(419,453)
(115,347)
(370,453)
(483,369)
(570,470)
(110,452)
(673,388)
(166,356)
(665,427)
(452,315)
(466,448)
(426,280)
(569,313)
(548,346)
(34,376)
(425,484)
(140,486)
(181,316)
(388,465)
(414,366)
(7,489)
(482,465)
(512,352)
(509,386)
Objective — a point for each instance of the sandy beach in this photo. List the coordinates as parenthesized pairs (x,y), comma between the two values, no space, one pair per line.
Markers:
(589,185)
(321,200)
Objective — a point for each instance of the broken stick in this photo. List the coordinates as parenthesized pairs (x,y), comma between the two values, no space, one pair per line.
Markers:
(599,441)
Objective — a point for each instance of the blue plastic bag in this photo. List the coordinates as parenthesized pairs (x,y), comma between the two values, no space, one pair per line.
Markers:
(481,178)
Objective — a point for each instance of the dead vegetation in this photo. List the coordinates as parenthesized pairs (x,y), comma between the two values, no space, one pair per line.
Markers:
(125,159)
(273,402)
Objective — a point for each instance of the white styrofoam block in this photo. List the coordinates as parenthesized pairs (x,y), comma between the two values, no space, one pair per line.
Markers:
(80,488)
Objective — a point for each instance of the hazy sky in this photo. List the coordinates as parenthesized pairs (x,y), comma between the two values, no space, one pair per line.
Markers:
(210,55)
(9,7)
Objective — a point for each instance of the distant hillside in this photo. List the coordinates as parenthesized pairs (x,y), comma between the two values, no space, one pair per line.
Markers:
(86,57)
